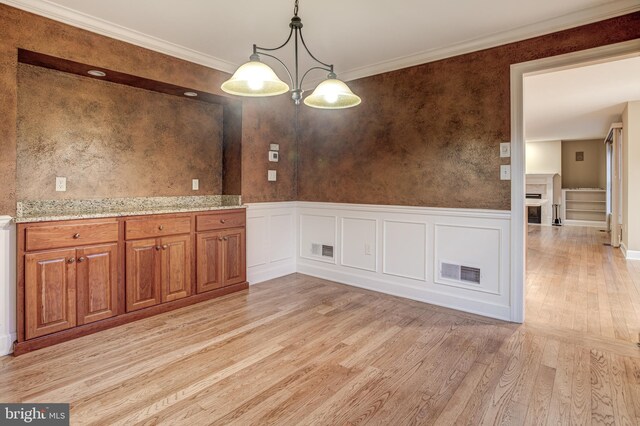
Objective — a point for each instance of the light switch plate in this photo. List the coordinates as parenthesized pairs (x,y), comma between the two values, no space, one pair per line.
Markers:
(273,156)
(505,172)
(505,149)
(61,184)
(271,176)
(195,184)
(274,147)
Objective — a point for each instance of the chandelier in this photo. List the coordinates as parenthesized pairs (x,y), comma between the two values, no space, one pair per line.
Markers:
(257,79)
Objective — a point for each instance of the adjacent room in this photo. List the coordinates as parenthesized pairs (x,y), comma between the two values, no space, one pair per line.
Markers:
(319,213)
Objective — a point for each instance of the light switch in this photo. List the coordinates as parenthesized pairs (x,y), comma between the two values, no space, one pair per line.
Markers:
(273,156)
(271,176)
(61,184)
(274,147)
(505,172)
(195,184)
(505,149)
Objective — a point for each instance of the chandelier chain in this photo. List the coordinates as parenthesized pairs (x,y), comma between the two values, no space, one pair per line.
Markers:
(295,8)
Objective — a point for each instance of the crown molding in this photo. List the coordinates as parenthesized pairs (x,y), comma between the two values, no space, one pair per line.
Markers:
(564,22)
(77,19)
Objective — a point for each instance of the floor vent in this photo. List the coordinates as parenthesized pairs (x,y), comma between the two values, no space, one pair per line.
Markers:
(460,273)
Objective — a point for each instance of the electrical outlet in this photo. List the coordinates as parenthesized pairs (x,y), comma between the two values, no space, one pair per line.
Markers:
(271,176)
(505,149)
(61,184)
(195,184)
(274,147)
(367,249)
(273,156)
(505,172)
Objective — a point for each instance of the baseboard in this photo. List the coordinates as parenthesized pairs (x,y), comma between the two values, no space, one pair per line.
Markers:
(259,274)
(629,254)
(408,292)
(592,224)
(6,343)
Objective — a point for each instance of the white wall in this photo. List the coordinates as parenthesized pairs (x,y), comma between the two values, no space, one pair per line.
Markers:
(544,157)
(394,250)
(271,240)
(631,180)
(7,285)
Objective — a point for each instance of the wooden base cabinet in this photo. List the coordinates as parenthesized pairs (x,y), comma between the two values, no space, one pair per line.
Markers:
(76,277)
(50,292)
(97,282)
(221,259)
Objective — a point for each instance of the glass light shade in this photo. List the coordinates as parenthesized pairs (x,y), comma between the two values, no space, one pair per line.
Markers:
(332,94)
(255,79)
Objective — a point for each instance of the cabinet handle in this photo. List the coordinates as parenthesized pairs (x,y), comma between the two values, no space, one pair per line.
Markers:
(164,247)
(76,236)
(219,238)
(158,247)
(81,259)
(161,227)
(222,221)
(71,260)
(225,238)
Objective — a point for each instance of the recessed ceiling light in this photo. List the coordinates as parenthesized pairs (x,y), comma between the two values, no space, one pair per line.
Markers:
(96,73)
(192,94)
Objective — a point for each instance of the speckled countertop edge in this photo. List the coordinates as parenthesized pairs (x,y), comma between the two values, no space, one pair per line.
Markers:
(45,211)
(97,215)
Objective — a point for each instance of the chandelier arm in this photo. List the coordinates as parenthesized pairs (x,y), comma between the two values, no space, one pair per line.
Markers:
(311,54)
(282,63)
(311,69)
(271,49)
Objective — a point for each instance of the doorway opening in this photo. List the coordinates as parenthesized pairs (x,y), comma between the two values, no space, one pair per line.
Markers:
(559,251)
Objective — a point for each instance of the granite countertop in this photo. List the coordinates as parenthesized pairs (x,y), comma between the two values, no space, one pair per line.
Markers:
(50,210)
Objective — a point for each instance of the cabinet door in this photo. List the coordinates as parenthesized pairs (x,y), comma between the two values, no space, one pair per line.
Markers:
(97,282)
(234,269)
(209,261)
(143,274)
(176,267)
(50,292)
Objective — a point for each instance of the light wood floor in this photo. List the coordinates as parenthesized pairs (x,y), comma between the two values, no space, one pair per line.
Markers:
(300,350)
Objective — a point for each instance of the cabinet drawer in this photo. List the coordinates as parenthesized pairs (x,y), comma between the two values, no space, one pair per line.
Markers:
(219,221)
(156,227)
(56,236)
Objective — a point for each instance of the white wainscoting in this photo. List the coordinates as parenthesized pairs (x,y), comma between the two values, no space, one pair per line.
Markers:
(271,240)
(7,285)
(398,250)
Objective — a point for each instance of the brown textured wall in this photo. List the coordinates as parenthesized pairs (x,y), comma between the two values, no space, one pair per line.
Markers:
(19,29)
(429,135)
(266,121)
(111,140)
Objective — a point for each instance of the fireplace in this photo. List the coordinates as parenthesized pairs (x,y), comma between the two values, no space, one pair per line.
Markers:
(534,213)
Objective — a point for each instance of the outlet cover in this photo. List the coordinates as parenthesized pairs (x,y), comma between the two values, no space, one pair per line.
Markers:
(273,156)
(274,147)
(61,184)
(195,184)
(271,176)
(505,172)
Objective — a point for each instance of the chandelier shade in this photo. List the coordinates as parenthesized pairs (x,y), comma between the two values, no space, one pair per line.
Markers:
(332,94)
(255,78)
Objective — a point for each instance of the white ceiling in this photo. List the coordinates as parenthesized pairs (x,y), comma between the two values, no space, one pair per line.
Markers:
(579,103)
(361,37)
